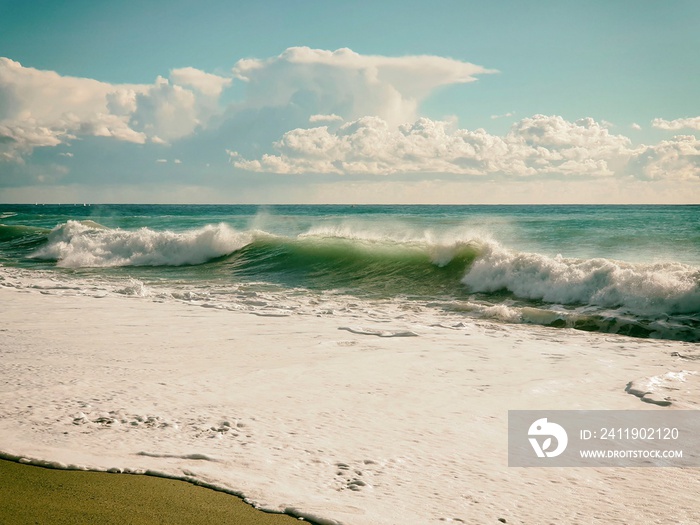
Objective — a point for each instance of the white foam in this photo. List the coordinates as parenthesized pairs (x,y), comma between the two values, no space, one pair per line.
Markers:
(135,287)
(671,388)
(78,244)
(663,288)
(381,332)
(296,415)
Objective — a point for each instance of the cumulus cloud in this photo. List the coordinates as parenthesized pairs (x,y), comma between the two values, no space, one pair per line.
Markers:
(555,145)
(207,83)
(675,125)
(534,146)
(166,111)
(351,114)
(44,109)
(676,159)
(348,84)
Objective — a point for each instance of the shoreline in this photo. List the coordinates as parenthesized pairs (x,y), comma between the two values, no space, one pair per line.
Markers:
(294,412)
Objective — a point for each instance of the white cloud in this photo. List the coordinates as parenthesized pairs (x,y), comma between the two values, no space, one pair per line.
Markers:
(537,145)
(676,159)
(44,109)
(505,115)
(364,116)
(635,126)
(166,111)
(348,84)
(325,118)
(675,125)
(206,83)
(558,146)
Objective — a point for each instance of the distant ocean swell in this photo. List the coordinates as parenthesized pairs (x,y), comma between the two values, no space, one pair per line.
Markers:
(466,272)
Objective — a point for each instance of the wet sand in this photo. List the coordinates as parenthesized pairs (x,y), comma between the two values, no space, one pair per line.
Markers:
(32,494)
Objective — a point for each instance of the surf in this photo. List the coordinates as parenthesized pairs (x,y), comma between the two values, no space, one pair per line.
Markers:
(638,288)
(483,266)
(364,266)
(81,244)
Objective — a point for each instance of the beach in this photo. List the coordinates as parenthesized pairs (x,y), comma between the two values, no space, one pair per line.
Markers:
(349,263)
(356,421)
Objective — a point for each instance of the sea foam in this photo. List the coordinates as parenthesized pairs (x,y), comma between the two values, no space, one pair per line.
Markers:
(77,244)
(648,289)
(363,430)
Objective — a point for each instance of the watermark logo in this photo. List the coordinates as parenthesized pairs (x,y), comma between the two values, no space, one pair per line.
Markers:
(603,438)
(545,429)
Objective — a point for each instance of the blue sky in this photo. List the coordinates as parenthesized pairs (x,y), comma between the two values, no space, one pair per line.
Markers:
(444,101)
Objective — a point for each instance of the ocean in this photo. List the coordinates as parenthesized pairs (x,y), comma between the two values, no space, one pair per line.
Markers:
(630,270)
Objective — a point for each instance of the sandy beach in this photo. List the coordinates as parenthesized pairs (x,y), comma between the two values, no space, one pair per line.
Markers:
(354,421)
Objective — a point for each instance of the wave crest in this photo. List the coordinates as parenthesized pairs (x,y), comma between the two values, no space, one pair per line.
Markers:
(78,244)
(647,289)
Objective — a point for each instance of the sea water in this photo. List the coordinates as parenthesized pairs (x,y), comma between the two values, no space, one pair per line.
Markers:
(632,270)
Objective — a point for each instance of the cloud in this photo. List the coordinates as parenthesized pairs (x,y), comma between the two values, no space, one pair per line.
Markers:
(676,159)
(675,125)
(325,118)
(635,126)
(44,109)
(310,111)
(177,107)
(556,145)
(348,84)
(207,83)
(166,111)
(538,145)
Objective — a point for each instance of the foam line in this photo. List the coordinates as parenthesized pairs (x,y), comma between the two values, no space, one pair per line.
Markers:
(198,457)
(380,333)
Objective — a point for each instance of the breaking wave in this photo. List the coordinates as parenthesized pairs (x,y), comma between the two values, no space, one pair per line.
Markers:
(642,289)
(464,268)
(79,244)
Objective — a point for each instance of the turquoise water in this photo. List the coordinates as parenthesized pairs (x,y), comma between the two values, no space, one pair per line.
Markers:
(633,270)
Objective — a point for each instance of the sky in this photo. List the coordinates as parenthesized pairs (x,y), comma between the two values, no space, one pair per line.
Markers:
(441,102)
